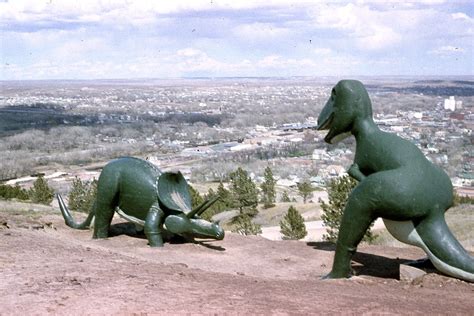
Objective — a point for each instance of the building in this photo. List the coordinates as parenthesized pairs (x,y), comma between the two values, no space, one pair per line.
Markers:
(450,104)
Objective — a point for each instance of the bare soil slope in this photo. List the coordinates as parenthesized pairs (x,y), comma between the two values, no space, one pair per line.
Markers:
(46,267)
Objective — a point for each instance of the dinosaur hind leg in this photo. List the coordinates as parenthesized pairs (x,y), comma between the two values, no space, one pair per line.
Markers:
(105,204)
(358,215)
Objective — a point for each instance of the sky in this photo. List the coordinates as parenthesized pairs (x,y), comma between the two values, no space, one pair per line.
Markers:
(124,39)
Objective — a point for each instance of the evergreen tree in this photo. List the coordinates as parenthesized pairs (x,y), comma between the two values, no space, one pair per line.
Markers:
(76,195)
(91,195)
(41,192)
(284,197)
(268,189)
(225,198)
(243,225)
(339,190)
(196,198)
(82,196)
(244,192)
(292,225)
(305,189)
(13,192)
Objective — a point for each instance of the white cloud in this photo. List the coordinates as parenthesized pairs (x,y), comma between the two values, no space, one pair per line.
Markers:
(322,51)
(368,29)
(447,50)
(260,31)
(460,16)
(145,38)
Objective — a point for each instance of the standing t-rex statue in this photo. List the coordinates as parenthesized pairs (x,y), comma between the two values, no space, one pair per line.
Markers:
(396,183)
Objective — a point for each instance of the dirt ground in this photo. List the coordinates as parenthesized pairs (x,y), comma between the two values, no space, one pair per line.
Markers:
(48,268)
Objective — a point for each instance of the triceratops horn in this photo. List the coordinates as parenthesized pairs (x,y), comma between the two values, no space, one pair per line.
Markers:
(204,206)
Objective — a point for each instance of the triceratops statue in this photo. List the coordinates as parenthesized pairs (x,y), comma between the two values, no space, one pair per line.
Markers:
(145,196)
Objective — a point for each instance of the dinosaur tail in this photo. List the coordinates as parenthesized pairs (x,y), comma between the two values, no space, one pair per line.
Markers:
(69,220)
(435,238)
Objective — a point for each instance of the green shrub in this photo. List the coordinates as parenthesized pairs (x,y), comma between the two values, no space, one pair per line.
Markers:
(305,189)
(244,192)
(82,195)
(268,189)
(243,225)
(9,192)
(41,192)
(339,190)
(292,225)
(285,198)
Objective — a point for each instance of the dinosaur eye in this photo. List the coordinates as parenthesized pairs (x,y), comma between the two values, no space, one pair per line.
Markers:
(333,92)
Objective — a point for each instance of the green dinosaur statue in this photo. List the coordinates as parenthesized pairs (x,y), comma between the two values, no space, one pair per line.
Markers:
(145,196)
(396,183)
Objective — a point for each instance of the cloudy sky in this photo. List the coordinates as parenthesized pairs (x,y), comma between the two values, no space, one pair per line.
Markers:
(93,39)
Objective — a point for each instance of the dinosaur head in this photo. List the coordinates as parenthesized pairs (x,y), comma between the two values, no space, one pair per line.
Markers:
(173,192)
(349,101)
(181,224)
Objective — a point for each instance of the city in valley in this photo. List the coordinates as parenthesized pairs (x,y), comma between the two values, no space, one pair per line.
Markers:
(206,128)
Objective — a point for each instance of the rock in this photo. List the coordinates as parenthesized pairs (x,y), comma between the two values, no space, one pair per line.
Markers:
(411,274)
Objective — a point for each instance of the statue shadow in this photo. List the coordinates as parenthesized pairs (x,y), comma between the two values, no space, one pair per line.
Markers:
(210,246)
(367,263)
(129,229)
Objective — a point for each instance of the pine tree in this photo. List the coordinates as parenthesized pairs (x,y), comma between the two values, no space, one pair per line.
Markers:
(305,189)
(339,190)
(292,225)
(244,192)
(268,189)
(225,198)
(196,198)
(13,192)
(82,195)
(76,195)
(285,197)
(90,196)
(243,225)
(41,192)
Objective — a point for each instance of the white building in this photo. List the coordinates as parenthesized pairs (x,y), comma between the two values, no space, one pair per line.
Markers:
(450,104)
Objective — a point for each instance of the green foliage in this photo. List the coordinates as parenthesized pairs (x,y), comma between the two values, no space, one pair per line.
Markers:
(243,225)
(8,192)
(219,206)
(82,196)
(292,225)
(339,190)
(244,192)
(196,198)
(223,204)
(285,198)
(268,189)
(225,199)
(41,192)
(305,189)
(76,195)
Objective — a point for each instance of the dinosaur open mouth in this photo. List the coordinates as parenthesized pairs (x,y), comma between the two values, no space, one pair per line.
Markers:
(327,124)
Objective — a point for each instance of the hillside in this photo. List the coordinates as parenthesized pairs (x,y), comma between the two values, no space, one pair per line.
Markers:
(47,267)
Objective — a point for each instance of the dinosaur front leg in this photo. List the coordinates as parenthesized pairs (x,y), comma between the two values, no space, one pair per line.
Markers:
(355,172)
(154,226)
(355,222)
